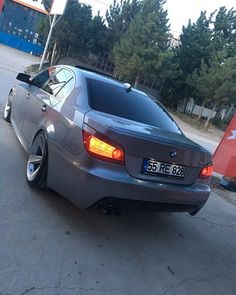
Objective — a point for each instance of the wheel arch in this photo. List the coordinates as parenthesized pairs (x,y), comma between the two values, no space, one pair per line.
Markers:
(41,129)
(39,180)
(11,93)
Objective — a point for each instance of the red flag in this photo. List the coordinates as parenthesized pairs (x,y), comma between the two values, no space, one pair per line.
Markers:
(1,5)
(224,159)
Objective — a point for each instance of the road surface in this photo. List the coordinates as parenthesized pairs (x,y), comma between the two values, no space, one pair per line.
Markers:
(50,247)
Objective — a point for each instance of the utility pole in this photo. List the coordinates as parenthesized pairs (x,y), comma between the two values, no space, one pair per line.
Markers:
(53,53)
(58,8)
(48,41)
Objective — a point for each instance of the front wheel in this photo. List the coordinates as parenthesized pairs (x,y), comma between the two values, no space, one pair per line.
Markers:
(7,109)
(37,162)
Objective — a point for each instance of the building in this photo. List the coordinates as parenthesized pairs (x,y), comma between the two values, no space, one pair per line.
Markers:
(1,5)
(19,25)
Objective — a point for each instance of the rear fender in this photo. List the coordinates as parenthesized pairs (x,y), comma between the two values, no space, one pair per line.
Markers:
(64,132)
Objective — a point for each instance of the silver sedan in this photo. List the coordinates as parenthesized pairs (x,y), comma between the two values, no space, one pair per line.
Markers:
(101,143)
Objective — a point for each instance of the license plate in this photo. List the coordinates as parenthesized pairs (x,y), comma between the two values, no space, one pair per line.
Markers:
(162,168)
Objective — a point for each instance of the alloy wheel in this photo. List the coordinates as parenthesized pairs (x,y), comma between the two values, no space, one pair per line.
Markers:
(36,157)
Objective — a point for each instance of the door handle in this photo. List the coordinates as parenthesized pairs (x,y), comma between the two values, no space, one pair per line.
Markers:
(44,108)
(28,96)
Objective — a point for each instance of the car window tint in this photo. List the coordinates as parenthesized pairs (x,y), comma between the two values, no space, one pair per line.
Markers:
(132,105)
(66,89)
(58,80)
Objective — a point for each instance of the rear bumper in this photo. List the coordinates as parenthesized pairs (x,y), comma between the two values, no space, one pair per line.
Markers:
(121,204)
(88,182)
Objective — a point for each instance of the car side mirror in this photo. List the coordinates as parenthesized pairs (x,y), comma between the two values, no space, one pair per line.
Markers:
(24,78)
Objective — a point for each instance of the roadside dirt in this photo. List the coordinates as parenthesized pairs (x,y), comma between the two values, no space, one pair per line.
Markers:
(213,133)
(228,195)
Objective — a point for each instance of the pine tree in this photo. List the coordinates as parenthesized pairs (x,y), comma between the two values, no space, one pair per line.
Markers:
(224,32)
(215,82)
(195,44)
(98,36)
(143,49)
(119,16)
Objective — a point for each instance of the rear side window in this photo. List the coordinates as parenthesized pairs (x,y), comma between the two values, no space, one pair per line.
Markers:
(115,100)
(41,79)
(66,90)
(57,81)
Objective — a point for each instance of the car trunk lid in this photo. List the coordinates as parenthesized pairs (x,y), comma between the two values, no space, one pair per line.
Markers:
(142,142)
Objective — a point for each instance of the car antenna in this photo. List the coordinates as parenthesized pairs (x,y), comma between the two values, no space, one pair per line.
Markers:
(127,87)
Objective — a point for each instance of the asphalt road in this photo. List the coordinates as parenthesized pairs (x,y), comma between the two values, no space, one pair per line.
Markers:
(50,247)
(11,63)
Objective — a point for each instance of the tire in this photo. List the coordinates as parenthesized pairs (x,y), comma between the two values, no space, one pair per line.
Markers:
(7,109)
(36,171)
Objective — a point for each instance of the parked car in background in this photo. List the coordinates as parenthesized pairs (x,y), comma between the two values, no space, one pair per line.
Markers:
(101,143)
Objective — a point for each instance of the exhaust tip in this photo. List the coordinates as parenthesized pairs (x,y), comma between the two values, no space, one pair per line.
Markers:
(118,212)
(110,210)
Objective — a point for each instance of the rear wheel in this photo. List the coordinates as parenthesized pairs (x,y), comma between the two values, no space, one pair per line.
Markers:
(37,162)
(7,109)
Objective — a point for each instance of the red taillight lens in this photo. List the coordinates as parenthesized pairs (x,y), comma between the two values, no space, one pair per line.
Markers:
(206,172)
(102,147)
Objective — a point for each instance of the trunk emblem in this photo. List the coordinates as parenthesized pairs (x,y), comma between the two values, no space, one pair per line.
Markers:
(173,153)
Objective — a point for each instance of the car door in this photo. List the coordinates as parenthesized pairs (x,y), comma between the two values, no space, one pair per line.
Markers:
(20,103)
(42,100)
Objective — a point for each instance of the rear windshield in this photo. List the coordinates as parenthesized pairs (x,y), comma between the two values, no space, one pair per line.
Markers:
(115,100)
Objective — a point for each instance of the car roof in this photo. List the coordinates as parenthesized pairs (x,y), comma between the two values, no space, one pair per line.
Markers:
(100,77)
(95,75)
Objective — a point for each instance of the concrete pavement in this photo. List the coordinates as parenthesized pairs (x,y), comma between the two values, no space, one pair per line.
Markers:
(50,247)
(12,62)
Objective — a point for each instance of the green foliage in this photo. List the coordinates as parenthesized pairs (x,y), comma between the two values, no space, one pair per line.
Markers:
(224,32)
(118,17)
(98,36)
(216,82)
(204,46)
(172,88)
(143,49)
(73,29)
(77,31)
(195,44)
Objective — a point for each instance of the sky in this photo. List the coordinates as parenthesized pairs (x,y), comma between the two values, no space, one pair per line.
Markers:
(179,11)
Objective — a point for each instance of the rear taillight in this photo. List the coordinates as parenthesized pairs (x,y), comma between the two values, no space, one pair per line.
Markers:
(206,172)
(101,147)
